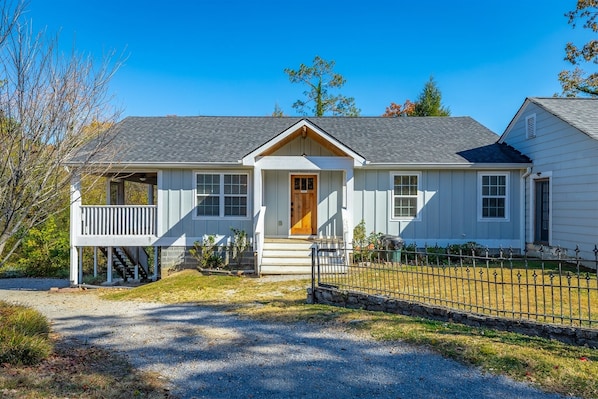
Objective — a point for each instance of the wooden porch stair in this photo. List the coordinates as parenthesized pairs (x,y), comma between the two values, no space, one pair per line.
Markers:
(124,263)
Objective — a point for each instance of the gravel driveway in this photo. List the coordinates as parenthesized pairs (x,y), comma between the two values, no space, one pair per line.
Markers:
(205,353)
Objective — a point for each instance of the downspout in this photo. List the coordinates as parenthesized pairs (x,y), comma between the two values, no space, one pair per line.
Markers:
(523,219)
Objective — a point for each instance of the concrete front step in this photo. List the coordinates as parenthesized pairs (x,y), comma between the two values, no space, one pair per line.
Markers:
(548,252)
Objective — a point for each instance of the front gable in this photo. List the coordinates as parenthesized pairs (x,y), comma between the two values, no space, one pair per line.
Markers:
(303,139)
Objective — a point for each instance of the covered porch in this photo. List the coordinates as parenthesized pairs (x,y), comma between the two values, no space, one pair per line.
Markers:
(124,234)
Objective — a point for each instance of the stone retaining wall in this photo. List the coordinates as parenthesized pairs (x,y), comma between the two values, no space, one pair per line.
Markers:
(356,300)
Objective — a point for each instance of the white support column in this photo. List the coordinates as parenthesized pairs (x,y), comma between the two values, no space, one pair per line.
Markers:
(150,194)
(75,229)
(348,201)
(160,223)
(109,265)
(80,265)
(257,191)
(95,261)
(108,191)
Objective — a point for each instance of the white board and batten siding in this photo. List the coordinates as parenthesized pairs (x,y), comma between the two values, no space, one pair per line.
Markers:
(177,224)
(448,212)
(569,159)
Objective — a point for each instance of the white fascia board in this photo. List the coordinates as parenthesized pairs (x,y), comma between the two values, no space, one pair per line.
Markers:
(422,166)
(250,159)
(161,165)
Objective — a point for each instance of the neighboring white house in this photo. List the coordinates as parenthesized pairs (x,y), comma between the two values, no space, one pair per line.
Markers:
(430,180)
(560,136)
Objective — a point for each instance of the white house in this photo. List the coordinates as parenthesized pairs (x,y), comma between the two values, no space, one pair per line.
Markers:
(431,180)
(560,135)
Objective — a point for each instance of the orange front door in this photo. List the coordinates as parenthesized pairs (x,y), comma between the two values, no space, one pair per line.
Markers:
(303,204)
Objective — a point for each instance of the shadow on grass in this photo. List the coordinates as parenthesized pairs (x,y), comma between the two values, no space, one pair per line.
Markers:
(78,370)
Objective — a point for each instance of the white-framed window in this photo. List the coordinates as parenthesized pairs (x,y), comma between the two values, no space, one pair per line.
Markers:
(406,198)
(530,126)
(221,194)
(493,203)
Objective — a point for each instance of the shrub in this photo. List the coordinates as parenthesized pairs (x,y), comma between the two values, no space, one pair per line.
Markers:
(366,248)
(240,245)
(20,349)
(359,233)
(23,335)
(206,253)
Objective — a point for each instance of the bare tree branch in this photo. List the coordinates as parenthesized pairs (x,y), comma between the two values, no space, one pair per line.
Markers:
(50,106)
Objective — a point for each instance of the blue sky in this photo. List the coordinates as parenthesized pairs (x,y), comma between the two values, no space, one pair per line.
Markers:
(226,57)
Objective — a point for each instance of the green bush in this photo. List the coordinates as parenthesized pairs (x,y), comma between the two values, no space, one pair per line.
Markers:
(206,253)
(44,251)
(19,349)
(26,321)
(23,335)
(240,245)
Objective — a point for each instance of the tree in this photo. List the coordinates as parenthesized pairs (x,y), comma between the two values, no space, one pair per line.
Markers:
(278,112)
(48,101)
(429,102)
(395,110)
(578,81)
(320,78)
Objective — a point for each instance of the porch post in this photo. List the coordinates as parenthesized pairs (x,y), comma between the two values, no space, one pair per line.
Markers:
(257,190)
(80,265)
(108,191)
(95,261)
(109,265)
(348,202)
(256,235)
(155,263)
(75,229)
(150,194)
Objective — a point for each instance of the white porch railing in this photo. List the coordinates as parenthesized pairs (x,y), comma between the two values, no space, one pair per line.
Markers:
(118,220)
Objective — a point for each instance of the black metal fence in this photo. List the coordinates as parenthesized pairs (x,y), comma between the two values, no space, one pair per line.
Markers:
(503,284)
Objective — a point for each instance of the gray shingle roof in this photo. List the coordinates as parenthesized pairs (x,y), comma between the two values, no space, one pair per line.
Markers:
(437,140)
(581,113)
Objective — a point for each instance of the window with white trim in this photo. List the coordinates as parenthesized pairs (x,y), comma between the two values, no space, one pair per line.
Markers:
(406,200)
(494,196)
(221,194)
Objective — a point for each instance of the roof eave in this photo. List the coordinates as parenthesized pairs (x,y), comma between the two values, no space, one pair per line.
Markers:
(424,166)
(154,165)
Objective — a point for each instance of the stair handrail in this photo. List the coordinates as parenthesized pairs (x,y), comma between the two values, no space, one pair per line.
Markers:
(258,238)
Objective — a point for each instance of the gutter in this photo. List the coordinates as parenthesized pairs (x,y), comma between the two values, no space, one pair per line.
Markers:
(153,165)
(424,166)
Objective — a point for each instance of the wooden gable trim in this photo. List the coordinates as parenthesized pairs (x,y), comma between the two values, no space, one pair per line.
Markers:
(303,127)
(304,132)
